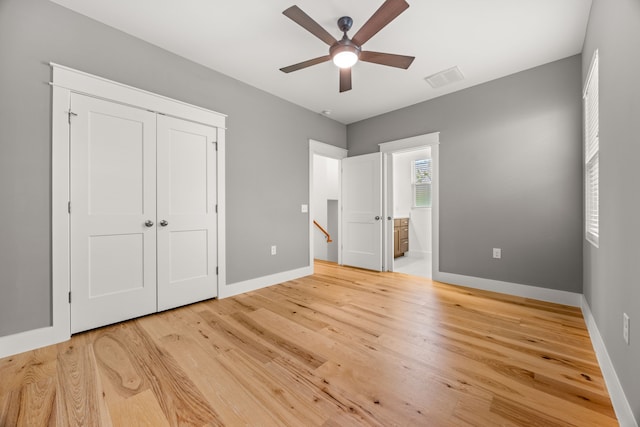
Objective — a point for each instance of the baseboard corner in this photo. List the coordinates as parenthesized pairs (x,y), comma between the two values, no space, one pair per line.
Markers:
(621,405)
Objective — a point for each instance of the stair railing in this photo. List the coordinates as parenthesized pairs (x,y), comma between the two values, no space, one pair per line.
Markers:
(326,234)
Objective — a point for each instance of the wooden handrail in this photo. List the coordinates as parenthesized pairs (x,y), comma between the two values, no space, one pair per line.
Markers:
(323,231)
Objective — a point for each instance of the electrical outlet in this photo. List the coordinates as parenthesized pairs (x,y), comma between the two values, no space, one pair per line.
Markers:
(274,250)
(497,253)
(625,327)
(304,208)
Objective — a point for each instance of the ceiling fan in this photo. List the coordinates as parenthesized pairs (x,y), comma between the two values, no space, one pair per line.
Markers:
(346,52)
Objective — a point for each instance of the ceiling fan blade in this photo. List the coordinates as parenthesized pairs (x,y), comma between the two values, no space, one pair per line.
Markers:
(389,59)
(345,79)
(305,64)
(389,11)
(305,21)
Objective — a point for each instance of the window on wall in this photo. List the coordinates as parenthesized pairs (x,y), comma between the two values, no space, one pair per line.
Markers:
(591,153)
(421,182)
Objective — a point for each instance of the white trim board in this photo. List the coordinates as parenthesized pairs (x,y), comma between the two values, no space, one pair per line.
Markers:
(60,329)
(620,403)
(99,87)
(262,282)
(515,289)
(410,143)
(327,150)
(31,340)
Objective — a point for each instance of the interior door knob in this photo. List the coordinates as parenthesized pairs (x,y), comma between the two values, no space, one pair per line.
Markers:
(149,223)
(377,217)
(164,223)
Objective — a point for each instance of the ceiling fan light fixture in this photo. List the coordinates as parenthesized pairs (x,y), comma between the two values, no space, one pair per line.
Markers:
(345,59)
(344,53)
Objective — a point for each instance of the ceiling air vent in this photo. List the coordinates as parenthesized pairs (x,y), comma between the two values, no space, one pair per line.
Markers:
(445,77)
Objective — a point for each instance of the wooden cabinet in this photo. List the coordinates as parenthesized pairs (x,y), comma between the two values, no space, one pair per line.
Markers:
(400,236)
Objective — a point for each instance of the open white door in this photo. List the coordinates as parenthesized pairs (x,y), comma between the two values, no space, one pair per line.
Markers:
(362,211)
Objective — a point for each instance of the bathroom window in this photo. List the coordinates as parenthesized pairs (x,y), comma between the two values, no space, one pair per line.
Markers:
(421,182)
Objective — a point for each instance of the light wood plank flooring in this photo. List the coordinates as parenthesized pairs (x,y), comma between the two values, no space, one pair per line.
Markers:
(344,347)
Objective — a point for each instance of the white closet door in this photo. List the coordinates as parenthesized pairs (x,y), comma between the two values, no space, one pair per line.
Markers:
(113,195)
(187,197)
(362,211)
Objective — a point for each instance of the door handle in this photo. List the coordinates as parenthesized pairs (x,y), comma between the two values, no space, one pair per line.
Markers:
(164,223)
(148,223)
(377,217)
(389,218)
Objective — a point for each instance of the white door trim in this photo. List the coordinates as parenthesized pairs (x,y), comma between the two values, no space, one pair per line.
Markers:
(65,81)
(325,150)
(89,84)
(388,148)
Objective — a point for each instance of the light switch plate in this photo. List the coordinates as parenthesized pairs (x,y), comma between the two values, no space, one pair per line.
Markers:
(625,327)
(304,208)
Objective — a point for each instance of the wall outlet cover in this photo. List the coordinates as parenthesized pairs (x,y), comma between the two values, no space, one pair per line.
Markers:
(497,253)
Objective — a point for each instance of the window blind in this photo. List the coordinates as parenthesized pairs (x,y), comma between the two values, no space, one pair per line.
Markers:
(421,178)
(591,154)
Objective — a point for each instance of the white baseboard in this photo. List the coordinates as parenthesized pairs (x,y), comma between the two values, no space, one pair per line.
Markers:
(618,398)
(526,291)
(231,289)
(31,340)
(37,338)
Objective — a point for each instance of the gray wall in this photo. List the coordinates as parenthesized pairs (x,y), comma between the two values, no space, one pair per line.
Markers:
(612,271)
(267,138)
(510,173)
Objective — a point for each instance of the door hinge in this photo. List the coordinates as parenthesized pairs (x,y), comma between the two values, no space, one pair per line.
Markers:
(216,271)
(69,297)
(70,114)
(216,144)
(216,208)
(69,207)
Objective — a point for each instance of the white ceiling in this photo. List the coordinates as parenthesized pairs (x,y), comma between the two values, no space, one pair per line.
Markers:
(250,40)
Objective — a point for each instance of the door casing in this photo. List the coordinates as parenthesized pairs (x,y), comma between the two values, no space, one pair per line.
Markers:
(66,81)
(388,148)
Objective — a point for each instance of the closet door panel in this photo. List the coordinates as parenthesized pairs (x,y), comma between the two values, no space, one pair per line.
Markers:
(113,168)
(187,194)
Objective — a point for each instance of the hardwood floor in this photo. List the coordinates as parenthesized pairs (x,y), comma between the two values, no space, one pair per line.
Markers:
(344,347)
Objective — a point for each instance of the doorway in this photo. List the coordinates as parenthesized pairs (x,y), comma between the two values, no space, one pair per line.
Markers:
(412,203)
(412,211)
(325,199)
(428,237)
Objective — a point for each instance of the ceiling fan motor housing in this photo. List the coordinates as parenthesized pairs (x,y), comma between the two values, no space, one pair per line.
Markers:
(345,23)
(344,45)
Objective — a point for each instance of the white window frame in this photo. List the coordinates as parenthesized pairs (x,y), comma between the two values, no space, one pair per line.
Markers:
(590,98)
